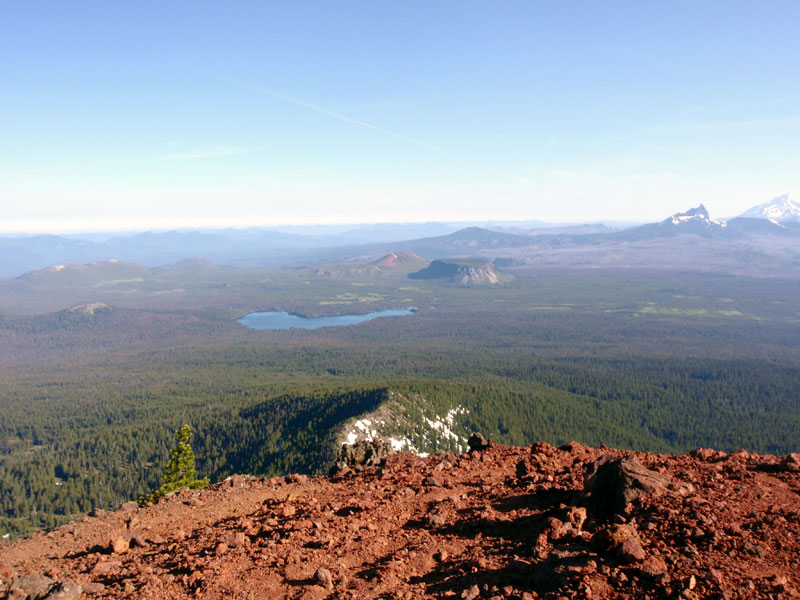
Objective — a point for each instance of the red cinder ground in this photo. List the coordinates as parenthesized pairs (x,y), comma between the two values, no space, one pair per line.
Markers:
(476,525)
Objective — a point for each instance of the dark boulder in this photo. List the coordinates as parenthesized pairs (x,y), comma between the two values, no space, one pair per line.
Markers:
(32,587)
(477,442)
(612,483)
(65,590)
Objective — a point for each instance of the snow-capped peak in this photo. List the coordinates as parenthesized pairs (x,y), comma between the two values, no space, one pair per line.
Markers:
(781,209)
(695,216)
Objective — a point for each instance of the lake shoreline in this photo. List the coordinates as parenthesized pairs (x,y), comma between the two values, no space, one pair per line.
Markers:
(283,320)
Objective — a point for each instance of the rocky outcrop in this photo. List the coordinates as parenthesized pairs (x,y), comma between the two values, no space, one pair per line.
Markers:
(362,454)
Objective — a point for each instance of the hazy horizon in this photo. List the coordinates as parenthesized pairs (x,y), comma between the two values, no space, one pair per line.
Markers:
(298,227)
(65,227)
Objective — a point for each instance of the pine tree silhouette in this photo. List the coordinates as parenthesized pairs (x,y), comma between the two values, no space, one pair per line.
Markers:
(180,471)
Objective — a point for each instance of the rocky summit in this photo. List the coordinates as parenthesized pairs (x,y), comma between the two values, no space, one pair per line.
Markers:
(496,522)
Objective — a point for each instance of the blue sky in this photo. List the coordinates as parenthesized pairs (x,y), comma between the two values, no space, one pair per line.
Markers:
(161,114)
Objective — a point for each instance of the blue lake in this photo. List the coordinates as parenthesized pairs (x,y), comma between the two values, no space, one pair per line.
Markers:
(283,320)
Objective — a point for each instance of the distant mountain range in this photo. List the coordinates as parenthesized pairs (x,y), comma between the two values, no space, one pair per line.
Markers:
(689,240)
(698,222)
(769,234)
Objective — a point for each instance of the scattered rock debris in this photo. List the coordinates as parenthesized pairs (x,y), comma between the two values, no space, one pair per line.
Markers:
(529,523)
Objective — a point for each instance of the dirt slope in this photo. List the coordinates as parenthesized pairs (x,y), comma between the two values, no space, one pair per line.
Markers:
(501,522)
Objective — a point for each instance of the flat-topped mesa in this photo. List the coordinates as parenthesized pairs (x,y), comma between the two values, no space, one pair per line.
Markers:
(460,271)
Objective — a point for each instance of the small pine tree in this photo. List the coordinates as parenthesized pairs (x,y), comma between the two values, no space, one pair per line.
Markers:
(179,472)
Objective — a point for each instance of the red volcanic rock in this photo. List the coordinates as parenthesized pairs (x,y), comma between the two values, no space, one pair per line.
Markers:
(631,549)
(7,574)
(119,545)
(323,578)
(791,463)
(703,525)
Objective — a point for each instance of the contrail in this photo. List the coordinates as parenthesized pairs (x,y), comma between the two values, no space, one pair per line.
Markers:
(347,119)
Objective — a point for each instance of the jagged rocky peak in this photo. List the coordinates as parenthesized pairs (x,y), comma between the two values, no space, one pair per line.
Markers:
(692,218)
(779,210)
(699,212)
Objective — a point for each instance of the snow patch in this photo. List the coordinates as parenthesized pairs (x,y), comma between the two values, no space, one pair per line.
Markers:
(444,425)
(435,430)
(695,215)
(397,444)
(367,430)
